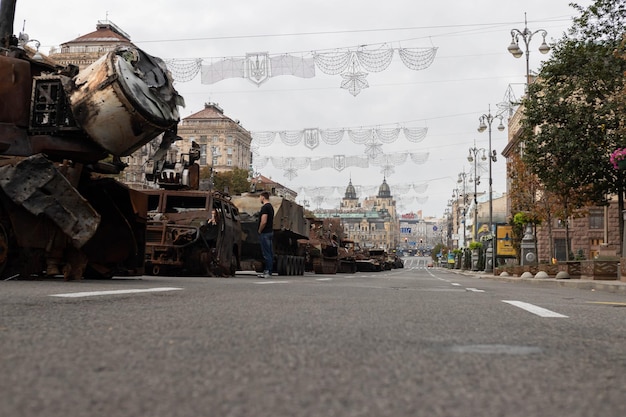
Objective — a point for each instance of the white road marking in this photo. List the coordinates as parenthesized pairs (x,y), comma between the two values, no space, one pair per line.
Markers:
(113,292)
(540,311)
(474,290)
(456,285)
(323,279)
(270,282)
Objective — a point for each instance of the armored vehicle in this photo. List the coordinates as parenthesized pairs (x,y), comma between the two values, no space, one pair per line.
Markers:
(62,133)
(290,225)
(192,232)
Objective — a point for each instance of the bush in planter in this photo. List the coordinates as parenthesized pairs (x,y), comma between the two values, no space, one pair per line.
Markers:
(475,245)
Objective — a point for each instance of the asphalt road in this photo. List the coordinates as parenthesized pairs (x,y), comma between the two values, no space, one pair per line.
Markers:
(406,342)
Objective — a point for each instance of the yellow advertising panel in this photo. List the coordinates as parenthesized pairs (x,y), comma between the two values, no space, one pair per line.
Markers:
(504,243)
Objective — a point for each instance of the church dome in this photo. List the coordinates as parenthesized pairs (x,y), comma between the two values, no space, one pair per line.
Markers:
(350,192)
(384,191)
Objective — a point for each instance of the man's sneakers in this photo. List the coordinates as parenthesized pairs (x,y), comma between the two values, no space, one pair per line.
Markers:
(265,275)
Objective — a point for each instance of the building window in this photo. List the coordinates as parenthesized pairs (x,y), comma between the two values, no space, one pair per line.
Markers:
(229,162)
(596,218)
(229,151)
(560,249)
(214,139)
(203,154)
(229,140)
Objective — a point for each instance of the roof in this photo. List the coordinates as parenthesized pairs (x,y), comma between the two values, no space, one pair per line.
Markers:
(210,111)
(105,32)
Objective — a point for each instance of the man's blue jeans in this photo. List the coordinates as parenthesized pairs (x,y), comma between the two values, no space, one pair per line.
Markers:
(267,250)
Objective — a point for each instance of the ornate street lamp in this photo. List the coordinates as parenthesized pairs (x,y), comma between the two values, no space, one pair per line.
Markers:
(526,35)
(215,153)
(485,123)
(463,180)
(473,157)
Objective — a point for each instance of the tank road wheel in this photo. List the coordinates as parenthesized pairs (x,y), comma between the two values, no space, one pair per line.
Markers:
(233,265)
(4,249)
(281,266)
(11,257)
(299,265)
(288,265)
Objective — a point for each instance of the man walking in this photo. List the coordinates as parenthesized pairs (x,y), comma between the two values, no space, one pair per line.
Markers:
(266,233)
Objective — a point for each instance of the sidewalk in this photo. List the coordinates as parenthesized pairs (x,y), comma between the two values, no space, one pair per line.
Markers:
(614,286)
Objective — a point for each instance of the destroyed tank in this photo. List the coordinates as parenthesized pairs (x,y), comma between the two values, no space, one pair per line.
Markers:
(290,225)
(62,133)
(322,247)
(192,232)
(328,251)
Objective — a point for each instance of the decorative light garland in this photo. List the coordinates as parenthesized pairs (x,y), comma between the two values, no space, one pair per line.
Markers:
(311,137)
(291,165)
(259,67)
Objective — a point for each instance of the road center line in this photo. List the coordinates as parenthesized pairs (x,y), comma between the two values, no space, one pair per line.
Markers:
(113,292)
(540,311)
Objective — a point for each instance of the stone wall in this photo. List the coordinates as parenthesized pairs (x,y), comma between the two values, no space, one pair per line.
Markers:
(582,235)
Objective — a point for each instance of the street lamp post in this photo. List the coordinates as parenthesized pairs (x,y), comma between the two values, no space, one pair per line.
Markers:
(463,180)
(473,157)
(215,153)
(485,124)
(526,35)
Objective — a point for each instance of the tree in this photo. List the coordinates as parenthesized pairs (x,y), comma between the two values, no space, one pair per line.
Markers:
(572,121)
(235,181)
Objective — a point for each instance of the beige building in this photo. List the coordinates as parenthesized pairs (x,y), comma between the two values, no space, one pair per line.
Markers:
(372,224)
(224,143)
(593,232)
(86,49)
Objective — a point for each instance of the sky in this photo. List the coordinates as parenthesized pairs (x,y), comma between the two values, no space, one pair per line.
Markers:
(471,75)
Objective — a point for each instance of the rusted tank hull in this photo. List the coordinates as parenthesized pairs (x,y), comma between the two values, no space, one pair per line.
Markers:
(50,227)
(289,226)
(57,131)
(123,100)
(179,241)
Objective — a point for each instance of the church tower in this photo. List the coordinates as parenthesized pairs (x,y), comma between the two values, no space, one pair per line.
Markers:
(384,199)
(350,199)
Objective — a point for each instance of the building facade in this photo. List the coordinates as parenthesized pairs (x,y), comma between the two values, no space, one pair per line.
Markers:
(86,49)
(372,223)
(224,143)
(593,231)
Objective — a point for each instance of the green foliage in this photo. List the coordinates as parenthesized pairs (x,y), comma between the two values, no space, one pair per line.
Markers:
(580,255)
(439,247)
(236,181)
(524,217)
(572,118)
(475,245)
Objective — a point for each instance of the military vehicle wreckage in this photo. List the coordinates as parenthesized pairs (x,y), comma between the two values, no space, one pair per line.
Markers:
(61,130)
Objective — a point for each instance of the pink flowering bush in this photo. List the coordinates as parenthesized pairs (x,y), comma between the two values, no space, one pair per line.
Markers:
(616,156)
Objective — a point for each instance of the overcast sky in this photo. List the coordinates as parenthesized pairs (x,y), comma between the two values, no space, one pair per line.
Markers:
(471,71)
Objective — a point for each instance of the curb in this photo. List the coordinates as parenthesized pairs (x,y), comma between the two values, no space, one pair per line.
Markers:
(613,286)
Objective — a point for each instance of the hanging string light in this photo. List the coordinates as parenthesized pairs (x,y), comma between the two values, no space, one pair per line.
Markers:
(258,67)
